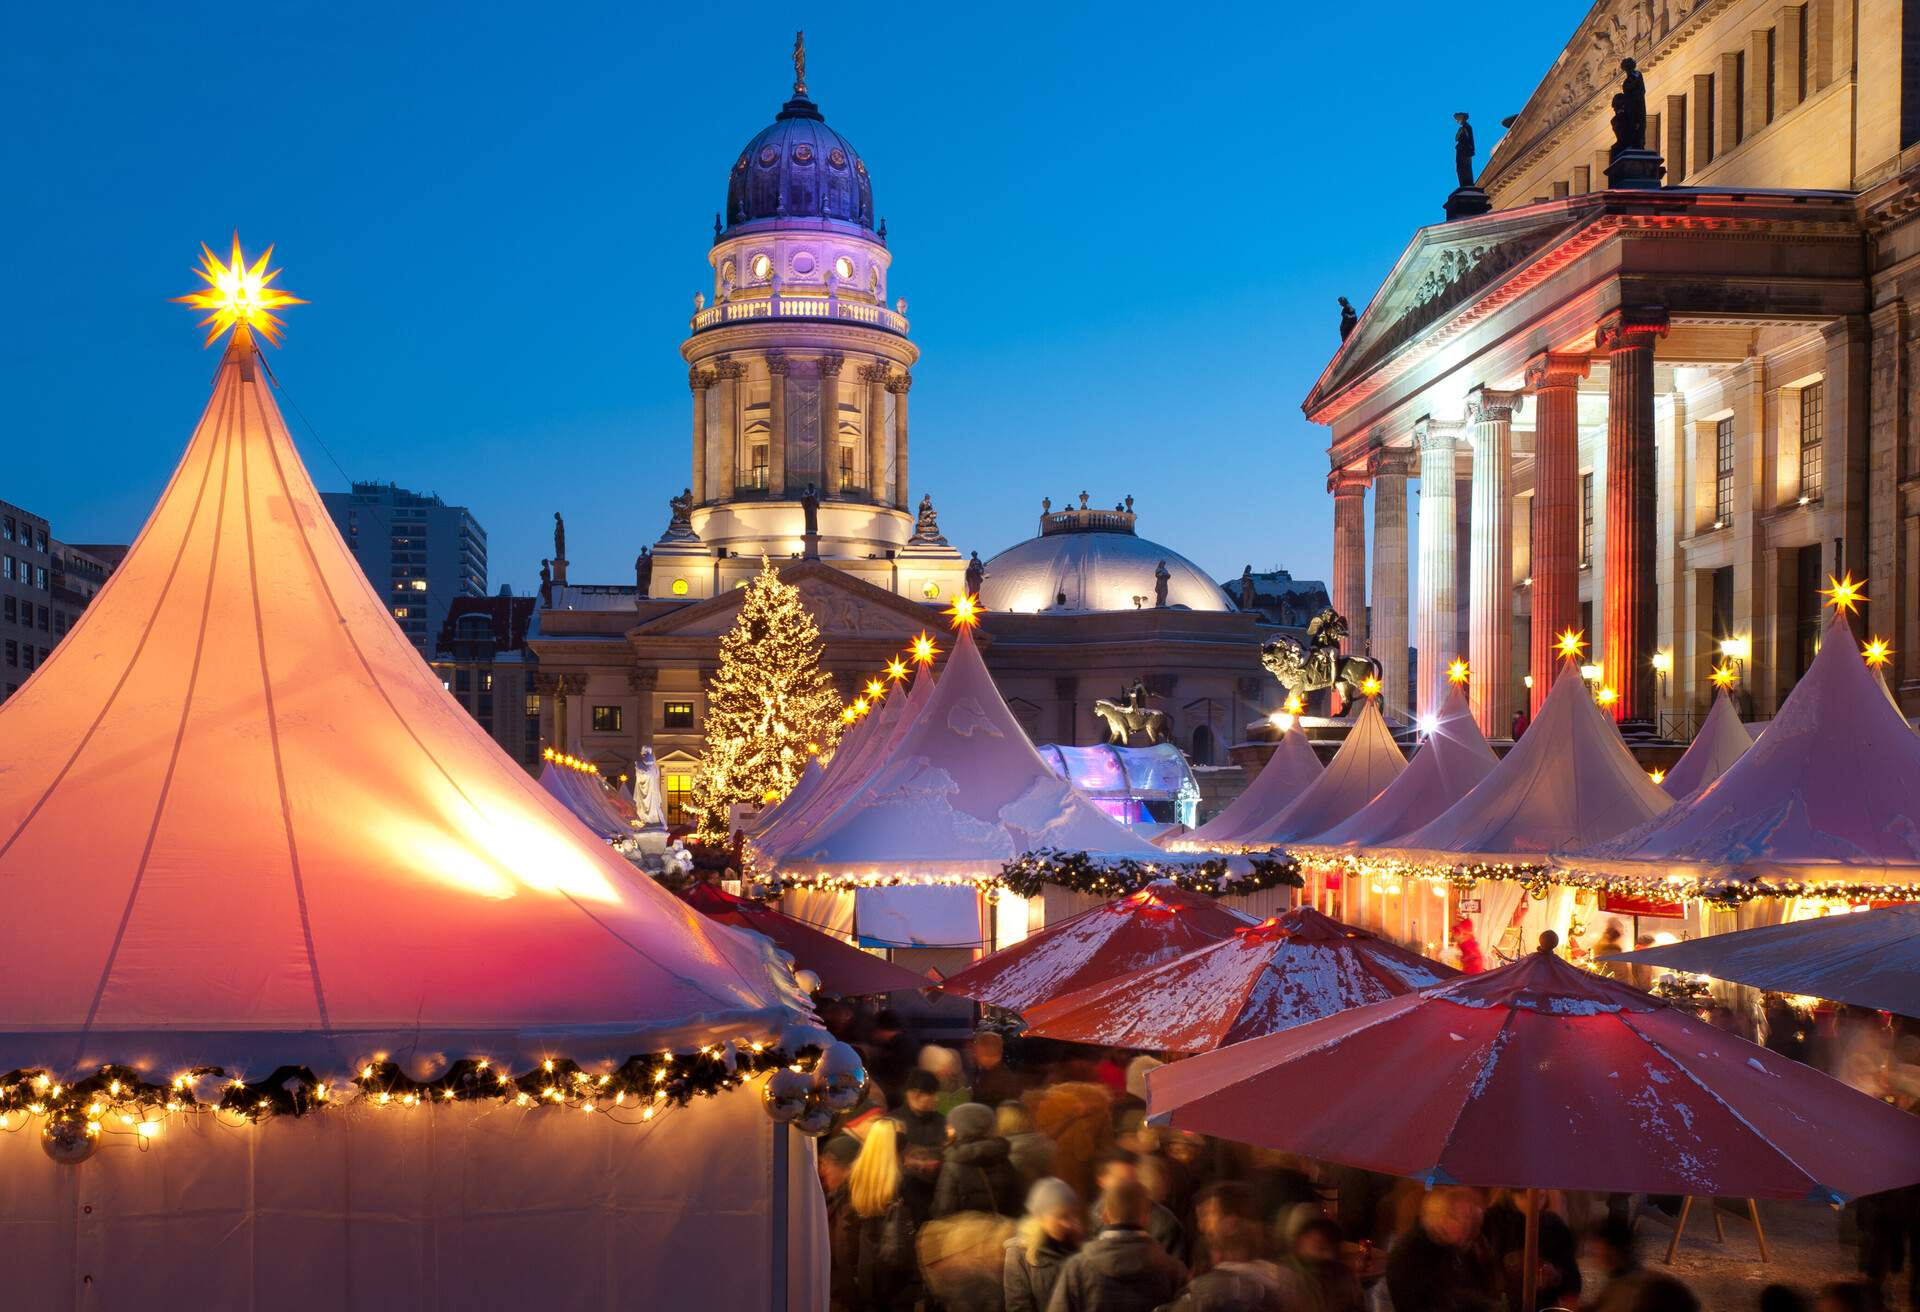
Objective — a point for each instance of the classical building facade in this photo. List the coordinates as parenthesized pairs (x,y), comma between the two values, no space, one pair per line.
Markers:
(801,371)
(1662,413)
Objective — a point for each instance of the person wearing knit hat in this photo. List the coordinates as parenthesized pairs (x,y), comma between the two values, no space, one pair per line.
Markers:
(977,1175)
(921,1121)
(1048,1235)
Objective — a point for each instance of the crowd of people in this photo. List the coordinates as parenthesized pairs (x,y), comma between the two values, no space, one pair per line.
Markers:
(1019,1174)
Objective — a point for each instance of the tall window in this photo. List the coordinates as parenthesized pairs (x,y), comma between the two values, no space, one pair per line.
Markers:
(1723,473)
(678,787)
(606,719)
(1708,111)
(1800,73)
(849,481)
(757,477)
(1586,520)
(1740,96)
(1807,608)
(1722,603)
(1772,80)
(1812,417)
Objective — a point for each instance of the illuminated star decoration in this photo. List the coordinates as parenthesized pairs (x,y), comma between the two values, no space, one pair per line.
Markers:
(924,650)
(1606,697)
(896,669)
(239,294)
(1724,675)
(1457,671)
(875,690)
(860,706)
(1370,686)
(1293,704)
(1878,652)
(965,611)
(849,714)
(1658,776)
(1843,594)
(1570,644)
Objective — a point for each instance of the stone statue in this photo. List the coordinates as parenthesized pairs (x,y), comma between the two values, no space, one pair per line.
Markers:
(1083,501)
(926,526)
(559,537)
(1129,503)
(1463,150)
(680,519)
(1320,664)
(799,63)
(810,522)
(1131,715)
(643,573)
(976,574)
(1046,505)
(1630,110)
(648,812)
(1160,580)
(1246,588)
(546,582)
(1348,318)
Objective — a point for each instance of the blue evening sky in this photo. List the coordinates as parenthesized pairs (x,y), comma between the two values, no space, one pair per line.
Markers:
(1120,229)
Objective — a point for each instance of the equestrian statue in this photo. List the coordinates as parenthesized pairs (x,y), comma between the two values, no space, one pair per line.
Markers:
(1320,664)
(1132,715)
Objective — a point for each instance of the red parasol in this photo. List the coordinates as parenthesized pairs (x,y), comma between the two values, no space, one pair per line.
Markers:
(1259,980)
(844,970)
(1144,928)
(1542,1075)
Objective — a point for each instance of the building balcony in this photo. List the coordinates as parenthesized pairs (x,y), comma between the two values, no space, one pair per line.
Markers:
(803,305)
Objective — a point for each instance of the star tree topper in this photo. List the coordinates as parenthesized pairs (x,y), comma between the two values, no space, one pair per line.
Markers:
(239,295)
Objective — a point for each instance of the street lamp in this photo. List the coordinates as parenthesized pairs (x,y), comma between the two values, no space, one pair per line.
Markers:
(1739,650)
(1663,666)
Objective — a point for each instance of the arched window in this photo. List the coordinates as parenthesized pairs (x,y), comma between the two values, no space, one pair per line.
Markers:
(1202,753)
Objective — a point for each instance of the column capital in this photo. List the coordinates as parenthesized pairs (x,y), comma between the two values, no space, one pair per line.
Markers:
(698,379)
(1349,482)
(1486,405)
(1556,369)
(900,382)
(830,365)
(643,679)
(873,373)
(778,364)
(1389,462)
(1430,434)
(1631,327)
(726,369)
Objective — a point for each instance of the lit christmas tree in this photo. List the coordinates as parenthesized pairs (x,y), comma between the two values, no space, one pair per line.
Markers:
(770,707)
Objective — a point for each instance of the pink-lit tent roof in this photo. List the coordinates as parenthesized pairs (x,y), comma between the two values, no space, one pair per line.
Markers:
(1569,781)
(1722,740)
(1366,763)
(1831,791)
(1454,758)
(1289,772)
(574,790)
(242,824)
(962,792)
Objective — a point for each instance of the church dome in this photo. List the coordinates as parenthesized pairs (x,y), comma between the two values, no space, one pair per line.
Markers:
(799,168)
(1096,561)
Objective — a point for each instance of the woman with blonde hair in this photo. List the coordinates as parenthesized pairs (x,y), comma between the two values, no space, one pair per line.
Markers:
(878,1234)
(1047,1236)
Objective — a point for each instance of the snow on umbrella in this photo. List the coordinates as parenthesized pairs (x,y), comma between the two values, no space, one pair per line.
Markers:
(1258,980)
(1869,959)
(843,969)
(1144,928)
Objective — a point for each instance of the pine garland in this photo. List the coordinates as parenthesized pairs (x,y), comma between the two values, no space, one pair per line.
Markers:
(1026,875)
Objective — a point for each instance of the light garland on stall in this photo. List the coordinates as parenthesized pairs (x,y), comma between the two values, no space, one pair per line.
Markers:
(569,762)
(1081,872)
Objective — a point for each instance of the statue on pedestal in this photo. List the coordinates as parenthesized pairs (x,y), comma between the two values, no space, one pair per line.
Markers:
(1630,110)
(680,519)
(1348,318)
(1463,150)
(976,574)
(649,813)
(643,573)
(546,582)
(1131,715)
(1161,577)
(926,527)
(810,517)
(1320,664)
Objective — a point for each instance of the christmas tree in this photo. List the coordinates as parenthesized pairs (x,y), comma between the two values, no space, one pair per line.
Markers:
(770,707)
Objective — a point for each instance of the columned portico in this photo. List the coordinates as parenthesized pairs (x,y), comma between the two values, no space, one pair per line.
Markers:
(1490,586)
(1437,630)
(1387,615)
(1349,489)
(1554,379)
(1627,337)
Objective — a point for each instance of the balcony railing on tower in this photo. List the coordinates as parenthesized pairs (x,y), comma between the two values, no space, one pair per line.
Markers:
(802,305)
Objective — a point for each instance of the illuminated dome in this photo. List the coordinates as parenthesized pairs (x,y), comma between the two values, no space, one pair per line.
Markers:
(799,168)
(1094,559)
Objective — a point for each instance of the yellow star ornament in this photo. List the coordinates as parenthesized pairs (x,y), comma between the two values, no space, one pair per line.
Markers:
(1843,594)
(239,295)
(1570,644)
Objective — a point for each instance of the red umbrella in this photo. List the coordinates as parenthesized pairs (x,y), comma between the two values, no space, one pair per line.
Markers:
(1258,980)
(843,969)
(1144,928)
(1542,1075)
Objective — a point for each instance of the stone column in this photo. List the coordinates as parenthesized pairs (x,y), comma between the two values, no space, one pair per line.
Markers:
(899,385)
(729,373)
(830,366)
(1630,597)
(1554,380)
(699,381)
(1435,623)
(1387,623)
(777,368)
(875,377)
(1490,561)
(1349,489)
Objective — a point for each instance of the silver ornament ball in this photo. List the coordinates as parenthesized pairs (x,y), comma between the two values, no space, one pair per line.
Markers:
(840,1077)
(786,1095)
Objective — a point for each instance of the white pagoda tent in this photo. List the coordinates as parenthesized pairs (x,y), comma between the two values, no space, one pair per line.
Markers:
(1454,758)
(581,792)
(1289,772)
(1829,797)
(1366,763)
(243,829)
(1722,740)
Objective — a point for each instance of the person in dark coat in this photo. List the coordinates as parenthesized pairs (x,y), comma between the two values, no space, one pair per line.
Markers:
(1119,1166)
(1505,1228)
(1320,1280)
(993,1083)
(873,1231)
(890,1054)
(1443,1263)
(922,1124)
(977,1175)
(1049,1234)
(1121,1269)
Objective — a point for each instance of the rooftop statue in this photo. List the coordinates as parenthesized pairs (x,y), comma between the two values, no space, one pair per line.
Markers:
(1463,150)
(926,526)
(1131,715)
(680,522)
(1320,664)
(1348,318)
(1630,110)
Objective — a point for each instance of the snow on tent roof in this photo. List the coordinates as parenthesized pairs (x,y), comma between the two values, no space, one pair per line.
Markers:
(1569,781)
(1289,772)
(1448,765)
(267,835)
(1831,791)
(564,786)
(962,792)
(1720,742)
(1366,763)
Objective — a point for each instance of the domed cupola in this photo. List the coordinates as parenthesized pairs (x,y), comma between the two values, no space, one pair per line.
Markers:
(799,168)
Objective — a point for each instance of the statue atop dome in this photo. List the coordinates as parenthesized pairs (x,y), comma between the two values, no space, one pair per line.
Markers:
(799,63)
